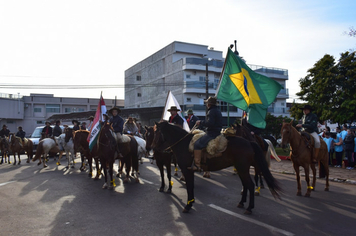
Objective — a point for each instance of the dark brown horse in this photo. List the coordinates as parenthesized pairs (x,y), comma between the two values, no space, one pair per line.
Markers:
(301,156)
(18,147)
(162,158)
(4,148)
(239,153)
(82,145)
(130,159)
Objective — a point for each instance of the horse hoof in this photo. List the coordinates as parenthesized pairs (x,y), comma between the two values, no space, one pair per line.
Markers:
(240,205)
(248,212)
(307,195)
(72,167)
(185,211)
(137,180)
(39,163)
(262,186)
(326,189)
(160,190)
(44,166)
(28,161)
(299,194)
(257,194)
(175,174)
(169,191)
(126,181)
(110,187)
(14,163)
(19,163)
(105,186)
(118,175)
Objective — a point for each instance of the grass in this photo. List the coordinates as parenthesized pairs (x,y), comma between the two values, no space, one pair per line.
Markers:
(281,152)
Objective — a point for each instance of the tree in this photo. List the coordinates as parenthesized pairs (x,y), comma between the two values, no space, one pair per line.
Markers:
(274,125)
(352,32)
(330,89)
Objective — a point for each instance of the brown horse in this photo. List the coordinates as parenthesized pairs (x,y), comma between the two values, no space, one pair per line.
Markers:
(239,153)
(4,148)
(301,156)
(82,145)
(18,147)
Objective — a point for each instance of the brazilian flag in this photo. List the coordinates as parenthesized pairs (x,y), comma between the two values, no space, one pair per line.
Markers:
(246,89)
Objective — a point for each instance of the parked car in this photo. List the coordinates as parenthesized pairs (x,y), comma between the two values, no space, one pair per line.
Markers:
(36,135)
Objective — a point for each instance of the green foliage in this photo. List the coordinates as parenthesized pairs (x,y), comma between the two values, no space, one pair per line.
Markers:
(329,88)
(274,125)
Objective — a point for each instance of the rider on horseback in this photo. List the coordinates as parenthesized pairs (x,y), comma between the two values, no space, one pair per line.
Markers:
(213,123)
(310,125)
(21,134)
(47,130)
(117,124)
(130,127)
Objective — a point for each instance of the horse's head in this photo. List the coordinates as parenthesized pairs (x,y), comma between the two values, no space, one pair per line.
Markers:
(68,134)
(167,134)
(286,133)
(149,135)
(159,142)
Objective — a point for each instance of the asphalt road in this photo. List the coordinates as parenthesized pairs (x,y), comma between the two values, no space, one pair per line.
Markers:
(57,201)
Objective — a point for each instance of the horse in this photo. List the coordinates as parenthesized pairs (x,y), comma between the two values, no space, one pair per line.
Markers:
(162,159)
(4,148)
(68,147)
(81,144)
(141,148)
(239,153)
(129,151)
(106,149)
(301,156)
(243,131)
(17,146)
(45,146)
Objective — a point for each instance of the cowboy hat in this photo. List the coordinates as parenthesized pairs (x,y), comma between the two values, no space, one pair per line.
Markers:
(115,108)
(308,107)
(47,122)
(91,118)
(173,108)
(75,121)
(211,100)
(190,112)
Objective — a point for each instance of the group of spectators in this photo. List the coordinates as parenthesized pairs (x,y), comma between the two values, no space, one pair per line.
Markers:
(343,142)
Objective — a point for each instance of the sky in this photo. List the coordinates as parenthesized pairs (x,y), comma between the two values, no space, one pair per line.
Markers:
(55,44)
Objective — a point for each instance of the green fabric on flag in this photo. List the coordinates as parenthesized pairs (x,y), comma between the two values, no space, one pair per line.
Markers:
(246,89)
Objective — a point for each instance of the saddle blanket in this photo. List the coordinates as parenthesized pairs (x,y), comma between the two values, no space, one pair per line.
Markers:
(121,138)
(214,147)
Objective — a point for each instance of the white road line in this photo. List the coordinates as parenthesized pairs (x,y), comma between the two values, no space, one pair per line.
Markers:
(146,181)
(6,183)
(272,228)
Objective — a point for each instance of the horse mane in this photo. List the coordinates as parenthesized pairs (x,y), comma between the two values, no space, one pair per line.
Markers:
(81,131)
(176,128)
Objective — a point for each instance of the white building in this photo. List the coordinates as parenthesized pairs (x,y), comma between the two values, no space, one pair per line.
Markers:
(181,68)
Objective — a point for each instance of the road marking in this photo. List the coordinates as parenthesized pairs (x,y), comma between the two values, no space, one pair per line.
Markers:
(272,228)
(6,183)
(146,181)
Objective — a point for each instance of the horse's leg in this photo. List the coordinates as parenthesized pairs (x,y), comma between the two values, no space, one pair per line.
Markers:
(257,189)
(189,180)
(112,181)
(18,155)
(128,169)
(312,166)
(169,175)
(297,174)
(159,164)
(248,185)
(44,161)
(14,154)
(98,170)
(90,161)
(120,167)
(175,167)
(307,179)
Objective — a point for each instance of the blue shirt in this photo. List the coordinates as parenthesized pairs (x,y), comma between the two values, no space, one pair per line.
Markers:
(328,142)
(355,145)
(338,148)
(343,134)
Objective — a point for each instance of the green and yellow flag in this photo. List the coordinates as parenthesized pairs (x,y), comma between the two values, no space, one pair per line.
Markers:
(246,89)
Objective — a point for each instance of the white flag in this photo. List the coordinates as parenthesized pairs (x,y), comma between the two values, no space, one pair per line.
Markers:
(172,101)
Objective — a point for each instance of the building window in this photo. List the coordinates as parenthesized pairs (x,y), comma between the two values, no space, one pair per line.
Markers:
(187,76)
(9,121)
(201,78)
(52,108)
(189,100)
(139,95)
(67,110)
(80,109)
(138,106)
(138,78)
(37,109)
(282,103)
(39,122)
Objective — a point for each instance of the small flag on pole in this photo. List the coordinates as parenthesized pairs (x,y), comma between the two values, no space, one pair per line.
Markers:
(95,128)
(172,101)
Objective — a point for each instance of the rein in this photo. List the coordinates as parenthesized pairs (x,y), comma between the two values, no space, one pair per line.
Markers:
(295,152)
(170,147)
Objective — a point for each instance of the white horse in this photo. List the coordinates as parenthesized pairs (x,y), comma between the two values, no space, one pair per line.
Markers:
(141,148)
(44,147)
(68,148)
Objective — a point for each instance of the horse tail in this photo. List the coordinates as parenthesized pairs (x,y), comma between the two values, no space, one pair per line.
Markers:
(273,151)
(261,162)
(39,151)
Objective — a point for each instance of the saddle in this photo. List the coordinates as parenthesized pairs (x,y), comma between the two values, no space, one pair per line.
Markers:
(120,138)
(308,139)
(215,146)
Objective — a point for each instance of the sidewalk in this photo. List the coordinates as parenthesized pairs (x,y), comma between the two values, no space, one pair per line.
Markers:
(335,174)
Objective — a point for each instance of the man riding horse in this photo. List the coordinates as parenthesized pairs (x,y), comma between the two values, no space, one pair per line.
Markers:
(21,134)
(117,124)
(310,125)
(213,123)
(4,132)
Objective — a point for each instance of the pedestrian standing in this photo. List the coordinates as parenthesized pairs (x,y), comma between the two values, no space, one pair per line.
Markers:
(328,140)
(349,148)
(338,147)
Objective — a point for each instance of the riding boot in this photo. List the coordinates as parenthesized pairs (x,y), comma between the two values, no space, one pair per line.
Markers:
(196,164)
(315,155)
